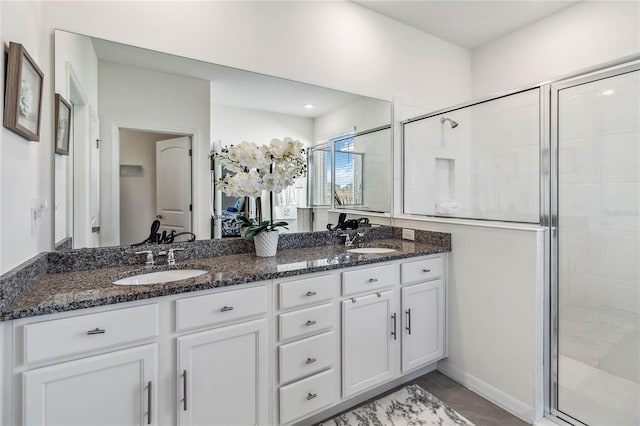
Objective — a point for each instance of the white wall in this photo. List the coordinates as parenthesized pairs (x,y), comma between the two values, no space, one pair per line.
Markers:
(581,36)
(25,169)
(143,99)
(333,44)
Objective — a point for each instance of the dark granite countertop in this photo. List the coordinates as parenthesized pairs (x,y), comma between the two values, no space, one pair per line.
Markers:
(67,291)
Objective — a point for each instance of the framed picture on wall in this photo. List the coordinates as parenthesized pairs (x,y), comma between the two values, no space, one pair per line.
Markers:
(23,94)
(63,125)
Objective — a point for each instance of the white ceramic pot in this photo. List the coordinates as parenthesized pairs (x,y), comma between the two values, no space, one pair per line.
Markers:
(266,243)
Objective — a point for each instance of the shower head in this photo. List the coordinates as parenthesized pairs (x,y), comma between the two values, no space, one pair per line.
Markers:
(453,123)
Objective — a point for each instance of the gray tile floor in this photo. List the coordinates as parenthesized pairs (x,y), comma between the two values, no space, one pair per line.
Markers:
(471,405)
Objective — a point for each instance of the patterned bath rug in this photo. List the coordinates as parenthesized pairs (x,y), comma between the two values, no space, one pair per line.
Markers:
(409,406)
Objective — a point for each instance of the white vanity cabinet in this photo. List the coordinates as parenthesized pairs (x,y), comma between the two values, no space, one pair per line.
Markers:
(223,372)
(280,352)
(369,341)
(223,376)
(307,349)
(423,312)
(117,388)
(396,326)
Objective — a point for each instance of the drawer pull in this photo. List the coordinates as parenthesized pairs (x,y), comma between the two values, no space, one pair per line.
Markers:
(311,360)
(96,331)
(226,308)
(373,280)
(426,271)
(310,322)
(311,293)
(310,396)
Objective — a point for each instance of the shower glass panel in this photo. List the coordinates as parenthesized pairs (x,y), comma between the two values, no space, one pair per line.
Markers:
(598,249)
(480,161)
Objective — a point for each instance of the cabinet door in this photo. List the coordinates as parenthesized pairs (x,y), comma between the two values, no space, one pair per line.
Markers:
(118,388)
(368,341)
(422,324)
(223,376)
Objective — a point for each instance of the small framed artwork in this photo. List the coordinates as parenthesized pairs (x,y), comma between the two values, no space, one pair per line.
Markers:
(23,94)
(63,125)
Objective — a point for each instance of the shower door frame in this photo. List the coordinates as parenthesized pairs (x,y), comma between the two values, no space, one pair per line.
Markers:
(624,66)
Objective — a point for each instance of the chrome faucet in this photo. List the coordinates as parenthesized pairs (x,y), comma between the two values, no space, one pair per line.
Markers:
(171,258)
(357,238)
(149,260)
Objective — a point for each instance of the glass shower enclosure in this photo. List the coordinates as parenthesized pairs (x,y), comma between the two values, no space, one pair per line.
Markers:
(595,251)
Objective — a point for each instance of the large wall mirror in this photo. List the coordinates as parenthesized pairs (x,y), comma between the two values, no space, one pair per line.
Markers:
(145,122)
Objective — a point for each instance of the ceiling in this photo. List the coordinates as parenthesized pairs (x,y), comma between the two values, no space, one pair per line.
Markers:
(469,24)
(231,86)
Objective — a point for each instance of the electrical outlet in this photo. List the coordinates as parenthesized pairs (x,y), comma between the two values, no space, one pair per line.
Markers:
(408,234)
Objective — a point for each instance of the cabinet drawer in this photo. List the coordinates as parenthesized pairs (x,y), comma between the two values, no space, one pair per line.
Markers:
(374,278)
(220,307)
(307,291)
(68,336)
(307,356)
(308,395)
(305,321)
(421,270)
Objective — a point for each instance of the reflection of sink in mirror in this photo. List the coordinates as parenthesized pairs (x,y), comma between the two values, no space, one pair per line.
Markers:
(115,196)
(371,250)
(160,277)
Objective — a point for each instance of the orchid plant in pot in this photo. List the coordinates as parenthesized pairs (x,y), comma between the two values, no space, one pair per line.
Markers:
(273,168)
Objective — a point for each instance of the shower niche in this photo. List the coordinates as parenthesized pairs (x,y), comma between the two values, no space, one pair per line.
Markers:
(476,161)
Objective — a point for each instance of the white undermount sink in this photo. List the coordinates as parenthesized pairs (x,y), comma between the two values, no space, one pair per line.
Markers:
(371,250)
(161,277)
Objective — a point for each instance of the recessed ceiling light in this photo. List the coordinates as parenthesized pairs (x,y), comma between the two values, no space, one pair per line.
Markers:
(308,106)
(608,92)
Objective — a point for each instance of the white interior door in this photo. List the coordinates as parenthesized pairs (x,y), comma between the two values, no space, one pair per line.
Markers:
(94,178)
(173,184)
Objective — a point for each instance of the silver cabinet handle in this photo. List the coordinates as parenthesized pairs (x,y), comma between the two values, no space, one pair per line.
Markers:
(96,331)
(184,390)
(311,360)
(393,333)
(373,280)
(408,327)
(311,293)
(149,402)
(226,308)
(310,396)
(310,322)
(426,270)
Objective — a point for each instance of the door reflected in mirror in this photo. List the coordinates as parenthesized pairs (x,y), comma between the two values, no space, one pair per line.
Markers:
(127,99)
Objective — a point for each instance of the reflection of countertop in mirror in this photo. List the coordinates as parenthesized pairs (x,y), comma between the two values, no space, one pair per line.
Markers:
(59,292)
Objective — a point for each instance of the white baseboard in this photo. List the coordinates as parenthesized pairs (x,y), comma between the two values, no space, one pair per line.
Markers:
(498,397)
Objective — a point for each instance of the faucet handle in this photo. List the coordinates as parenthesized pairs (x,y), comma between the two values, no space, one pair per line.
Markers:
(171,258)
(149,260)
